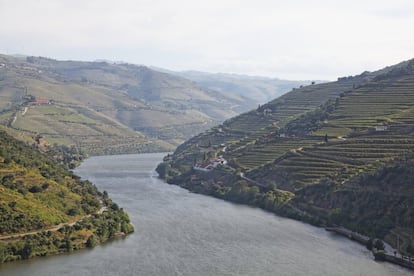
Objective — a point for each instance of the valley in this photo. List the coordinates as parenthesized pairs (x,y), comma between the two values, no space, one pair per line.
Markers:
(333,154)
(330,154)
(108,108)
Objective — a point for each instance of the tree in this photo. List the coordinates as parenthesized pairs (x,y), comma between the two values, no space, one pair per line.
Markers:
(91,242)
(114,207)
(26,250)
(68,244)
(252,194)
(268,200)
(162,170)
(370,244)
(72,212)
(35,189)
(271,186)
(379,245)
(410,249)
(45,186)
(3,253)
(336,216)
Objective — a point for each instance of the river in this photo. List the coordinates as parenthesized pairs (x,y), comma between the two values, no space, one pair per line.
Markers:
(182,233)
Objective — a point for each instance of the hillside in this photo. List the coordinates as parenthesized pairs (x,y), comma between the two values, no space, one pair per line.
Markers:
(325,153)
(257,90)
(107,108)
(45,209)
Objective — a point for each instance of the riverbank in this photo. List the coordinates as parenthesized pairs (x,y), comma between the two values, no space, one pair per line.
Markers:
(187,234)
(269,199)
(87,232)
(388,254)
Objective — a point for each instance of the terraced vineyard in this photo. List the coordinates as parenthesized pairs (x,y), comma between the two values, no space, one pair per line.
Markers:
(300,101)
(268,119)
(375,117)
(88,130)
(289,106)
(107,107)
(259,154)
(377,104)
(321,142)
(338,161)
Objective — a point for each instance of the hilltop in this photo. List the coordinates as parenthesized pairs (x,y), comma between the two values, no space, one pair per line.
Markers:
(106,107)
(46,209)
(337,153)
(256,89)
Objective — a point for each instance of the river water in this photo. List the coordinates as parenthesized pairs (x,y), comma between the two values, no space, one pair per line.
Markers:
(181,233)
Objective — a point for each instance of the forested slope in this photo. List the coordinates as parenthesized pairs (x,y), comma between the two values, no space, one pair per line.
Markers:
(46,209)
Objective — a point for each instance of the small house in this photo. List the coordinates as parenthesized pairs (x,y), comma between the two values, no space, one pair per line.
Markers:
(210,164)
(381,128)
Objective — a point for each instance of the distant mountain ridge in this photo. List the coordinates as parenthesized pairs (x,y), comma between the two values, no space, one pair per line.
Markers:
(108,107)
(257,89)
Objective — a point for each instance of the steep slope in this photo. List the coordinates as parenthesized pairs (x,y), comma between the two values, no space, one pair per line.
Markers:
(106,108)
(45,209)
(320,143)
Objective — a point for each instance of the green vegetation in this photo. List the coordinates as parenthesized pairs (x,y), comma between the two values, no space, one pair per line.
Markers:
(242,191)
(46,209)
(104,108)
(342,150)
(85,233)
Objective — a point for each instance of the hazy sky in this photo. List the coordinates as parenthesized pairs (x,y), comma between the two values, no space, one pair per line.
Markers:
(294,39)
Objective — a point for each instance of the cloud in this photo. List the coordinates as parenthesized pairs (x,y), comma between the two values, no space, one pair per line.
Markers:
(296,39)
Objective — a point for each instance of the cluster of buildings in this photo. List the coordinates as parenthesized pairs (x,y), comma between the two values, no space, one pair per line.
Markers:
(210,165)
(32,100)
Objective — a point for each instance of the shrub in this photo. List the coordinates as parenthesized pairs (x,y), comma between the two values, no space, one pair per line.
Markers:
(35,189)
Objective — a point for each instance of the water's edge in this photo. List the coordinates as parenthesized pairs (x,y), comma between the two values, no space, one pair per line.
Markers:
(182,233)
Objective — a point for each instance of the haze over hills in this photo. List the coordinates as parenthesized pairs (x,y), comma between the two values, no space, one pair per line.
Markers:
(259,89)
(108,108)
(256,89)
(337,153)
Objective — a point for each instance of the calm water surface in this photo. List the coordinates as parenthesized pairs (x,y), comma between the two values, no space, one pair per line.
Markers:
(181,233)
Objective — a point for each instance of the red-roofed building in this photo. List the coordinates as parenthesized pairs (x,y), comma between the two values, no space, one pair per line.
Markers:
(40,101)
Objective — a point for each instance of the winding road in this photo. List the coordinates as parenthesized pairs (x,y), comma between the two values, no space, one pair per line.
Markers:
(52,229)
